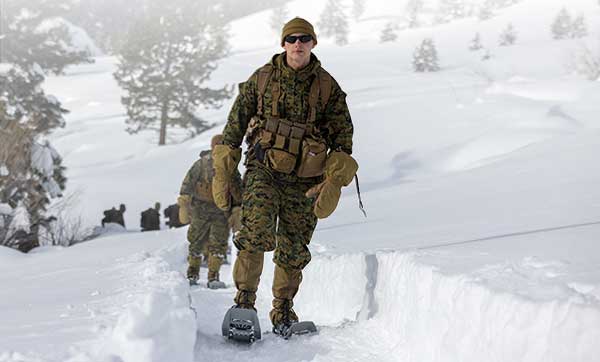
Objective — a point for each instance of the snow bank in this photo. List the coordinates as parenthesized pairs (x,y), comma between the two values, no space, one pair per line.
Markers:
(432,316)
(158,325)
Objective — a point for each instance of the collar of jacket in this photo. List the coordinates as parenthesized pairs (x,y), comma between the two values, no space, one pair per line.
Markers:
(205,153)
(303,74)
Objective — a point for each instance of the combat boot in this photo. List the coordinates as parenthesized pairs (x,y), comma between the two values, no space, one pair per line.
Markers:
(193,270)
(283,316)
(246,275)
(286,283)
(214,264)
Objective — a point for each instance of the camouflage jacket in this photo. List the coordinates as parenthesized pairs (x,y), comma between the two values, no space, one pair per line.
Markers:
(198,184)
(333,119)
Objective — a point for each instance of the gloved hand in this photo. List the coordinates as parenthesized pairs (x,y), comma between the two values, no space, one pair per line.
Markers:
(184,202)
(225,162)
(235,219)
(340,168)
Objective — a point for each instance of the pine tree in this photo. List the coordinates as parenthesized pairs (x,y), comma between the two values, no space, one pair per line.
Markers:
(450,10)
(358,8)
(413,9)
(562,25)
(388,33)
(31,171)
(476,43)
(486,11)
(578,27)
(508,36)
(279,16)
(168,56)
(334,23)
(425,58)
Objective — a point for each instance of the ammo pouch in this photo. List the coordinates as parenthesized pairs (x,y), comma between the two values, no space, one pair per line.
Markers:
(283,147)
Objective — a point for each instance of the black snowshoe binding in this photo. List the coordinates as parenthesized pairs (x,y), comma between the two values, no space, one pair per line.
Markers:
(241,325)
(296,328)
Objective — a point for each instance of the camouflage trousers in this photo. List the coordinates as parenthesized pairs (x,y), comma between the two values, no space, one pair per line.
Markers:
(208,229)
(276,215)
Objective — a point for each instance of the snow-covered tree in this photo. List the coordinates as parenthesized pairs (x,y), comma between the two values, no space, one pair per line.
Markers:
(31,171)
(279,16)
(508,36)
(358,8)
(388,33)
(476,43)
(425,58)
(562,25)
(587,63)
(487,55)
(486,11)
(168,56)
(334,22)
(413,9)
(450,10)
(578,27)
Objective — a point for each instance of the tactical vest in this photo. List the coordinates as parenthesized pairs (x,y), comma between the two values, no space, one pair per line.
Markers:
(287,145)
(204,183)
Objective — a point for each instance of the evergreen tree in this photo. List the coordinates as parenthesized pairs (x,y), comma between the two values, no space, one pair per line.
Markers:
(279,16)
(578,27)
(562,25)
(358,8)
(486,11)
(476,43)
(425,58)
(486,55)
(388,33)
(168,56)
(334,23)
(450,10)
(508,36)
(413,9)
(31,171)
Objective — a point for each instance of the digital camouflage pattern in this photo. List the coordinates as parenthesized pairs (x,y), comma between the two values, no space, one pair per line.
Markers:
(333,121)
(265,199)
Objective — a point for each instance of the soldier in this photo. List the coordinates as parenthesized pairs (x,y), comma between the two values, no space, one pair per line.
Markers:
(150,218)
(294,117)
(208,224)
(114,216)
(172,214)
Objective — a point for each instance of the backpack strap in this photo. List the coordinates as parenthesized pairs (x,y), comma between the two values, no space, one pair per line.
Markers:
(264,75)
(325,87)
(320,87)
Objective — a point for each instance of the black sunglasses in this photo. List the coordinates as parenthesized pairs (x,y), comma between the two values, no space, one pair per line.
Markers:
(303,38)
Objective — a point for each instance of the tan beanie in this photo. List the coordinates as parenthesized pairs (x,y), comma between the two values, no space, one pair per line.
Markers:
(298,25)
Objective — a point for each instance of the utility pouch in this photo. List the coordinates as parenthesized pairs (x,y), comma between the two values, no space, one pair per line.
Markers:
(312,158)
(280,160)
(204,191)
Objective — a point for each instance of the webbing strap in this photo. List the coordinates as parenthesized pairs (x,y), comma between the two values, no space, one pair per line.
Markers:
(275,93)
(264,74)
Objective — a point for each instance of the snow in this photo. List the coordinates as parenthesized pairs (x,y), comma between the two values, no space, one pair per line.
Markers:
(480,182)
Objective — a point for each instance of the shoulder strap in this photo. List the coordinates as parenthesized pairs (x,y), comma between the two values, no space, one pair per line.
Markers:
(264,75)
(325,85)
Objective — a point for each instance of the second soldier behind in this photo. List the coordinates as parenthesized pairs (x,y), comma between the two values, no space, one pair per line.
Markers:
(150,218)
(209,225)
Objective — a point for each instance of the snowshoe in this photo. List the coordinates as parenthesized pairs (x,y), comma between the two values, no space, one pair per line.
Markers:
(241,325)
(193,282)
(216,284)
(297,328)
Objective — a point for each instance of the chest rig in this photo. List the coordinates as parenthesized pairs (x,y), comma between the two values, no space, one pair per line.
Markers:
(286,145)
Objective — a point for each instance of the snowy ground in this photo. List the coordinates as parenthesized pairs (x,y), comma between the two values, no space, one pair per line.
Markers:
(480,184)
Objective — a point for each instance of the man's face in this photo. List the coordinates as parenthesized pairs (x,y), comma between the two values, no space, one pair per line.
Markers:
(298,51)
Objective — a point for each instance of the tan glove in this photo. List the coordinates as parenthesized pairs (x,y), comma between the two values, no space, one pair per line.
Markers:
(235,219)
(225,162)
(185,204)
(339,171)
